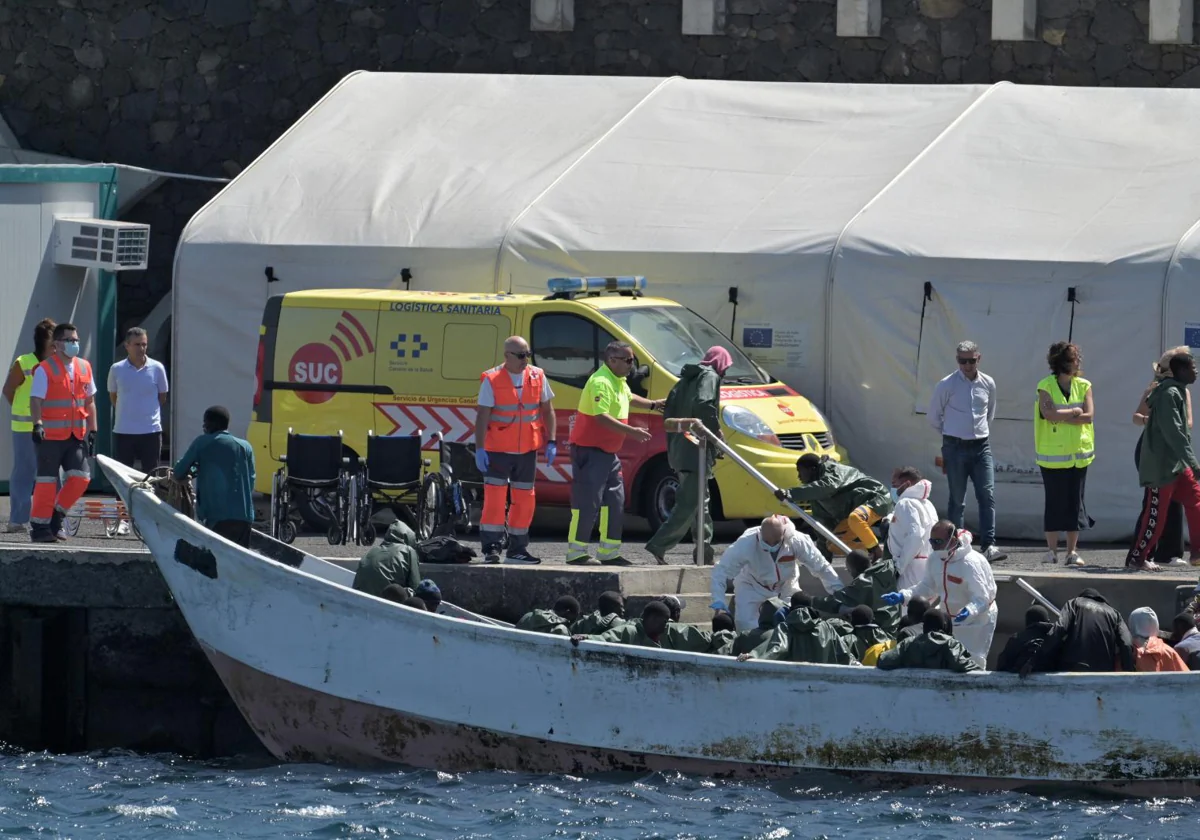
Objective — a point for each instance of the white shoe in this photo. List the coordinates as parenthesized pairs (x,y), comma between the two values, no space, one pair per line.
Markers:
(1177,561)
(1050,557)
(16,528)
(993,554)
(1073,559)
(123,528)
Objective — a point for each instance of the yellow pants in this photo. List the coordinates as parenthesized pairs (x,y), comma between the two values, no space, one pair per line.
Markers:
(855,530)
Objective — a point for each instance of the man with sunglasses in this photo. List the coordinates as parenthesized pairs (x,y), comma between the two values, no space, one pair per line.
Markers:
(962,579)
(515,419)
(962,409)
(600,430)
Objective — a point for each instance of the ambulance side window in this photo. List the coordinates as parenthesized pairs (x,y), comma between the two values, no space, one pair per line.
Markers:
(569,348)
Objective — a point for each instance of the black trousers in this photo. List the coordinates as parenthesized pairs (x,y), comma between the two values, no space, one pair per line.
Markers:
(146,449)
(234,530)
(1170,544)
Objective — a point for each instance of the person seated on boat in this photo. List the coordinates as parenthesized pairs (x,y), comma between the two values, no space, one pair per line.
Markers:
(397,593)
(764,563)
(1185,638)
(935,648)
(843,499)
(866,633)
(610,613)
(654,629)
(1089,636)
(723,634)
(1027,643)
(872,654)
(768,617)
(1151,653)
(870,580)
(674,603)
(392,561)
(415,603)
(557,621)
(910,623)
(430,593)
(962,578)
(224,468)
(806,637)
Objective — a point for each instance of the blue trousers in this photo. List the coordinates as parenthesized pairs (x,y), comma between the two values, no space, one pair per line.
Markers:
(21,479)
(971,460)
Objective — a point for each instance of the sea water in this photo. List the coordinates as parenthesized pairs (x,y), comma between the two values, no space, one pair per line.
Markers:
(121,795)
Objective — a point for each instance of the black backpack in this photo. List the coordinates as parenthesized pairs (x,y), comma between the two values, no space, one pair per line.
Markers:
(443,549)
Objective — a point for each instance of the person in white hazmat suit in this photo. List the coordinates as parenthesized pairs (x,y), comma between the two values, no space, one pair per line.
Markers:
(911,521)
(962,578)
(764,562)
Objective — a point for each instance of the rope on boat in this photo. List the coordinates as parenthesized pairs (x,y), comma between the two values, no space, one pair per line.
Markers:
(178,494)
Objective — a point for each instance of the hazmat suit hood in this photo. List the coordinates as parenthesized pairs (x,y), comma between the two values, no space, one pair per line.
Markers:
(398,532)
(921,491)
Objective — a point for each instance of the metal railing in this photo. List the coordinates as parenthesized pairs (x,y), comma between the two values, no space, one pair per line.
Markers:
(703,438)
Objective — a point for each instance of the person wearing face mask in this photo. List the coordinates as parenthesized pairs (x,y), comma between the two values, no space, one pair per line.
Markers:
(224,470)
(1168,465)
(62,404)
(764,563)
(912,519)
(962,578)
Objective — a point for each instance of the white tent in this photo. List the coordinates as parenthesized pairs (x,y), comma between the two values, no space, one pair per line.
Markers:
(829,207)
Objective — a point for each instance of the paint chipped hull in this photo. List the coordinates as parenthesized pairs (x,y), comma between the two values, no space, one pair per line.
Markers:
(325,673)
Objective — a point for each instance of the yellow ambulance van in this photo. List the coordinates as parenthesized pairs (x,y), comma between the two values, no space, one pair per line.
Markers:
(394,362)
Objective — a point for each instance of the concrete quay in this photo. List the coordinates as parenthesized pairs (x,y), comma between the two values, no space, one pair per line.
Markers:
(94,654)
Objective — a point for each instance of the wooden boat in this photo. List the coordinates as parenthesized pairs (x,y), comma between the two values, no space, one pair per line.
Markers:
(324,673)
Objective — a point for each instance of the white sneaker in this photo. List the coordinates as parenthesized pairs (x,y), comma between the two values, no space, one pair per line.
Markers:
(993,554)
(1050,557)
(16,528)
(123,528)
(1177,561)
(1073,559)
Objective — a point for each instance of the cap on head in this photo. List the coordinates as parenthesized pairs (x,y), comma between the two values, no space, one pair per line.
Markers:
(1143,623)
(1184,622)
(1037,614)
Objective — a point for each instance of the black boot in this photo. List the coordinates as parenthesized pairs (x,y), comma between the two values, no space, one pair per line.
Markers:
(56,525)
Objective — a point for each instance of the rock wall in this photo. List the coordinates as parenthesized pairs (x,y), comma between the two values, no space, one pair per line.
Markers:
(203,86)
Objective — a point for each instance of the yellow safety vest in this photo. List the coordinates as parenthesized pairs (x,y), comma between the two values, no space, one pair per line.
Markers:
(1061,446)
(22,420)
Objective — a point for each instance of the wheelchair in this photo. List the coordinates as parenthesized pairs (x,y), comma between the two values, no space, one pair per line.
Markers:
(451,499)
(313,464)
(392,473)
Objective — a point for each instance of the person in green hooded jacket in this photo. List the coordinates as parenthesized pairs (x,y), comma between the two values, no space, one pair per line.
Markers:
(392,561)
(654,630)
(843,499)
(610,613)
(1168,468)
(866,632)
(805,637)
(934,649)
(724,634)
(870,580)
(697,394)
(557,621)
(748,640)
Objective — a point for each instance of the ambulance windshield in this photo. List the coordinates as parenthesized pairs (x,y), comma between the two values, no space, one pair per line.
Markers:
(677,336)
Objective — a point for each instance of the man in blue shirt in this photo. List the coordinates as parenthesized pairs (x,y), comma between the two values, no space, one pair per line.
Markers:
(224,469)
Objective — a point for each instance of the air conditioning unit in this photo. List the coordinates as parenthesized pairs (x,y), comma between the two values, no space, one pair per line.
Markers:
(99,243)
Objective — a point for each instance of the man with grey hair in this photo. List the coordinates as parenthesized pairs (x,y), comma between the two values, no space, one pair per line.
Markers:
(962,410)
(600,430)
(137,389)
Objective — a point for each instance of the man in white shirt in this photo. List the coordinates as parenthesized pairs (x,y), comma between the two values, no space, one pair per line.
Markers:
(137,387)
(962,410)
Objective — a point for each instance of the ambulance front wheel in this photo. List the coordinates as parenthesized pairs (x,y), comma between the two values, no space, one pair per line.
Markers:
(660,488)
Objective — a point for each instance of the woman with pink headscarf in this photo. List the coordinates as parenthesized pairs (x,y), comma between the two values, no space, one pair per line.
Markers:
(696,394)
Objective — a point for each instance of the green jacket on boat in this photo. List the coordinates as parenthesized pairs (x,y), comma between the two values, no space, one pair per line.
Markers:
(544,621)
(674,637)
(929,650)
(593,624)
(868,588)
(723,642)
(392,561)
(867,636)
(807,638)
(841,489)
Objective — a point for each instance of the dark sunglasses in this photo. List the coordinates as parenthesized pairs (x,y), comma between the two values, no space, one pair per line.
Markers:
(519,355)
(939,542)
(968,361)
(626,359)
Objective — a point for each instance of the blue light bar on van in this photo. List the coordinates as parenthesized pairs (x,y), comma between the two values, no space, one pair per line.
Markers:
(596,284)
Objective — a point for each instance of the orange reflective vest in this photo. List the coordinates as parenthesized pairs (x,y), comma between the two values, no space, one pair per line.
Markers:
(64,414)
(515,424)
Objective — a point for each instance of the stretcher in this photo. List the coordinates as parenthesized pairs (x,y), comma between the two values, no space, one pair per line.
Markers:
(108,509)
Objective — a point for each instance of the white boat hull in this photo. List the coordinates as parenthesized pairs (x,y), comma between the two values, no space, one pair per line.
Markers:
(325,673)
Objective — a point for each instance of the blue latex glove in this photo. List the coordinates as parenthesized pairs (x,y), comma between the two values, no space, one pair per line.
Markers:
(551,452)
(962,616)
(781,615)
(892,598)
(719,605)
(481,460)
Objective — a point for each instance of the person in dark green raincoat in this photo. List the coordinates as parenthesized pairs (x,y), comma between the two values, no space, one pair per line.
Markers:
(867,633)
(557,621)
(610,614)
(805,637)
(655,630)
(843,499)
(933,649)
(748,640)
(871,579)
(392,561)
